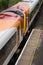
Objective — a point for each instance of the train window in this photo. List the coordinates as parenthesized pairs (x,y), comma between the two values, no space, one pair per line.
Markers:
(15,11)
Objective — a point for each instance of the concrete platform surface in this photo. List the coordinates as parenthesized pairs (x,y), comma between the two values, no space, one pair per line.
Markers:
(30,49)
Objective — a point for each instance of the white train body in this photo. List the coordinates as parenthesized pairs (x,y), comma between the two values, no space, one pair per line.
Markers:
(32,4)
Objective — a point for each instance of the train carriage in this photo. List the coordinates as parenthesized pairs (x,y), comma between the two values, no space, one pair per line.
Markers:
(22,11)
(9,21)
(14,23)
(26,10)
(10,35)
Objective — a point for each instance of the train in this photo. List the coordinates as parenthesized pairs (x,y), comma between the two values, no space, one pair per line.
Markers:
(14,23)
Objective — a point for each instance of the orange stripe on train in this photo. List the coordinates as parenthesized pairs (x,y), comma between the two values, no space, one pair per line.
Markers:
(9,20)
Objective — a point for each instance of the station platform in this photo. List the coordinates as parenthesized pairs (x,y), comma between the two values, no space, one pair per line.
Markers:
(38,57)
(32,45)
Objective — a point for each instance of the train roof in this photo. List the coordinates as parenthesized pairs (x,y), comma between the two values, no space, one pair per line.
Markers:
(9,20)
(21,6)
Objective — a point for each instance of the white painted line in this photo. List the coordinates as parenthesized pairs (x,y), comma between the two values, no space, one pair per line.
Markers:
(24,47)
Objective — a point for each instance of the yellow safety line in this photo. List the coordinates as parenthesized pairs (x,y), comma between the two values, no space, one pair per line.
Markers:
(32,57)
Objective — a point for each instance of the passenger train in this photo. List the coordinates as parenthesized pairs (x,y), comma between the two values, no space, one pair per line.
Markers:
(15,22)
